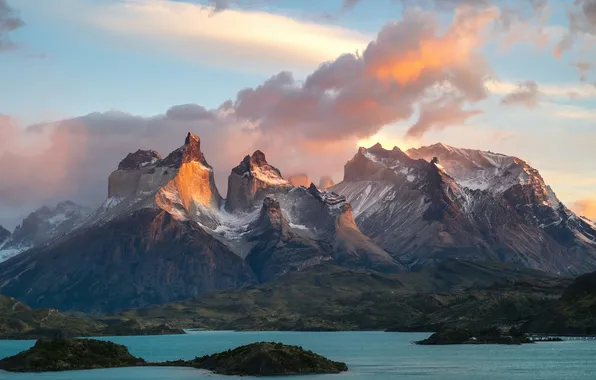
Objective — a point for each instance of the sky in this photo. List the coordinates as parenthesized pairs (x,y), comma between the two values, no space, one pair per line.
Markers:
(83,82)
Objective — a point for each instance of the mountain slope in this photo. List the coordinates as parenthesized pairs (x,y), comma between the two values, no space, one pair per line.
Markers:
(327,297)
(43,225)
(421,214)
(164,233)
(573,313)
(146,258)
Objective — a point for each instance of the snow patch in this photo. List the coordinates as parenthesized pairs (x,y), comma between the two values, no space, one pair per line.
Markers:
(6,254)
(298,226)
(269,177)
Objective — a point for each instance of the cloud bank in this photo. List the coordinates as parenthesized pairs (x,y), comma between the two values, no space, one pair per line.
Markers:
(414,68)
(228,36)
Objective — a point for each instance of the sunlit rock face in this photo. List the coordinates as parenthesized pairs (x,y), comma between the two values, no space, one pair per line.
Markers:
(181,184)
(192,191)
(251,181)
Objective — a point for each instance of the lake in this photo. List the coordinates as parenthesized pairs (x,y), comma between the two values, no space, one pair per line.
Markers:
(369,355)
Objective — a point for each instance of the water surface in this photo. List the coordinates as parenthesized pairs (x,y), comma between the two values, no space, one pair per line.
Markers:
(369,355)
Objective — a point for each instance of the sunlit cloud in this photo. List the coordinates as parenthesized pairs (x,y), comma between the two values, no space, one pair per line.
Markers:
(254,40)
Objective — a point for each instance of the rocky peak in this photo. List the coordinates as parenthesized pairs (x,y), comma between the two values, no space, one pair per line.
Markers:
(379,164)
(271,216)
(192,139)
(258,158)
(251,180)
(139,159)
(189,152)
(46,223)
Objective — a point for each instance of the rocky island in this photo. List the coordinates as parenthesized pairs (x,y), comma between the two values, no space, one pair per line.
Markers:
(50,355)
(265,359)
(487,336)
(257,359)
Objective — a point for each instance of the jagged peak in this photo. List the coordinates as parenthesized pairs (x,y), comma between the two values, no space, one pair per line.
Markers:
(271,216)
(330,198)
(189,152)
(191,138)
(256,166)
(258,158)
(139,159)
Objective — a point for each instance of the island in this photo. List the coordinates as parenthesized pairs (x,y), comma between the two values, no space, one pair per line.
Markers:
(265,359)
(487,336)
(257,359)
(51,355)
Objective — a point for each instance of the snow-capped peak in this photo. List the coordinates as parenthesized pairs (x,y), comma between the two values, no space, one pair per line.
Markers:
(480,170)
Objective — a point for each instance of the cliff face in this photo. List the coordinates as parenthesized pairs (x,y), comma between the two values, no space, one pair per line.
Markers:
(181,184)
(251,181)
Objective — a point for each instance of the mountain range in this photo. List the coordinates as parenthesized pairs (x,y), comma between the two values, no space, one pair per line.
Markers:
(165,233)
(438,202)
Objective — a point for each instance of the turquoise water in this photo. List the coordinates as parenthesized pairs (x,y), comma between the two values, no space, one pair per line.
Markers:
(369,355)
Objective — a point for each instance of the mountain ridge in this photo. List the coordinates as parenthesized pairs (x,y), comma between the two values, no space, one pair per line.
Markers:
(416,209)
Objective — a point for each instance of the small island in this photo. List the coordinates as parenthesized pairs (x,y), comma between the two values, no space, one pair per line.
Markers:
(265,359)
(51,355)
(257,359)
(488,336)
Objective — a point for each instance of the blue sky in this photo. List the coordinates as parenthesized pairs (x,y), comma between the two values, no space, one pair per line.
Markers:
(82,66)
(76,57)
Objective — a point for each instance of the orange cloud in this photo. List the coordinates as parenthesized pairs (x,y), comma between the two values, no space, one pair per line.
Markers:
(585,207)
(437,52)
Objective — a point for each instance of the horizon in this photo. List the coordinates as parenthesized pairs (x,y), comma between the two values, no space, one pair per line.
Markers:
(509,77)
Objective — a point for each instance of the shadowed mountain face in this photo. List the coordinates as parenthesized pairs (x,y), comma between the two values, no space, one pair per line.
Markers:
(573,313)
(327,297)
(493,208)
(145,258)
(4,236)
(41,226)
(250,181)
(323,230)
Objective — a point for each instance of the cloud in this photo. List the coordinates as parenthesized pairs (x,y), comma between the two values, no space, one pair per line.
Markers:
(585,207)
(527,94)
(261,41)
(349,4)
(566,111)
(555,90)
(304,126)
(355,96)
(439,114)
(583,68)
(9,22)
(582,21)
